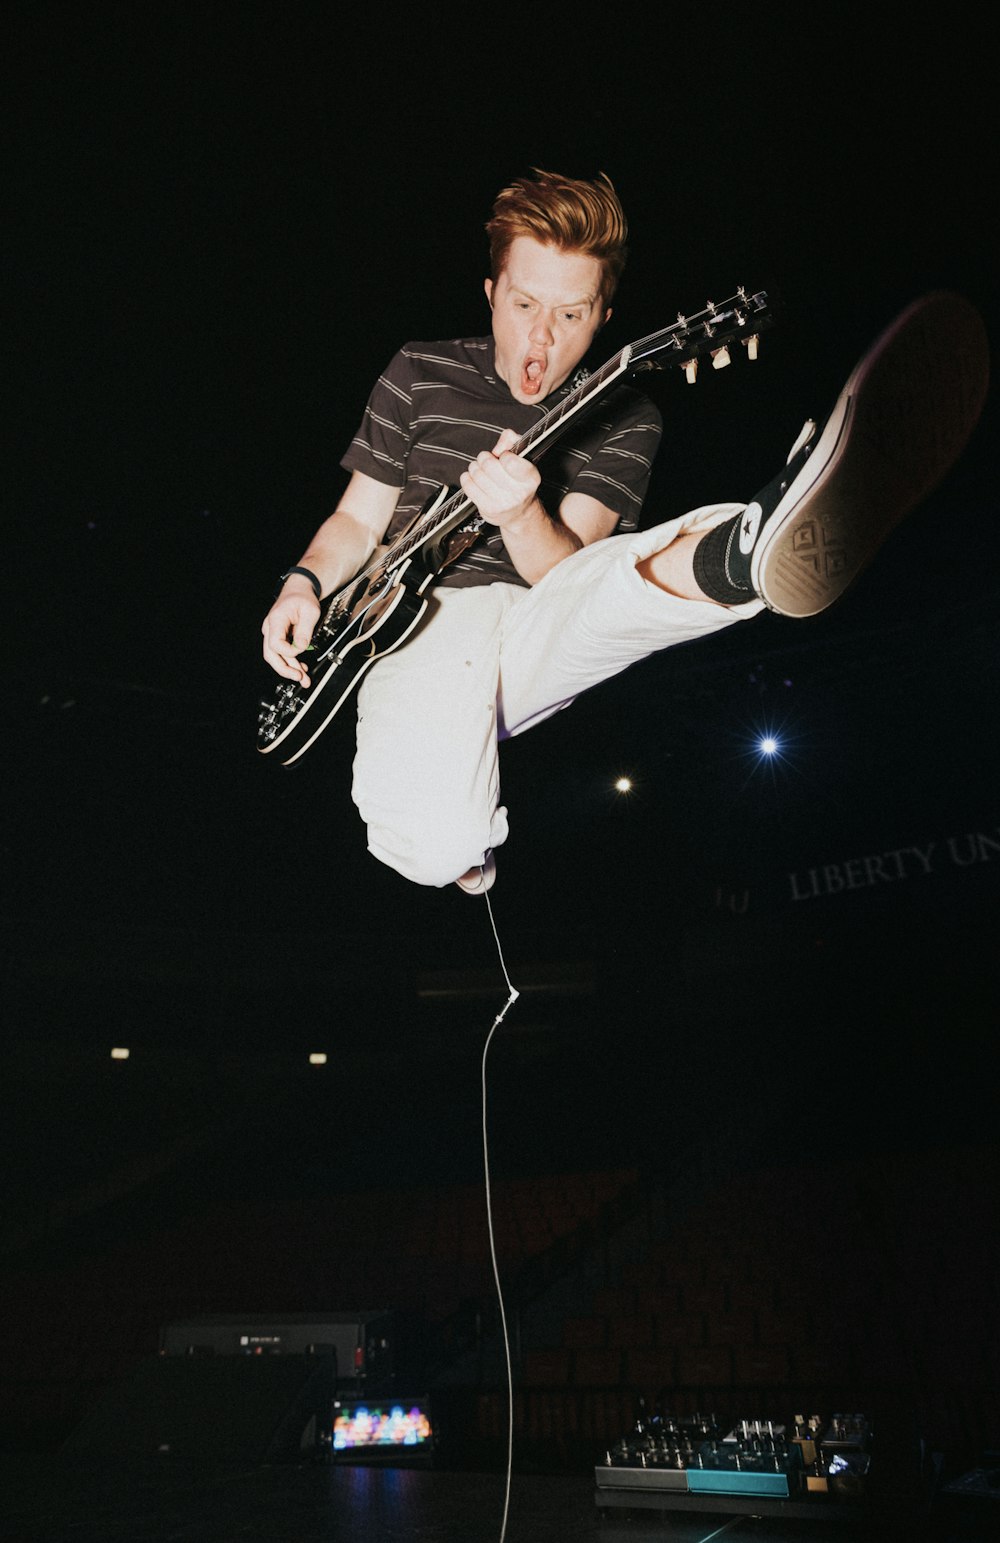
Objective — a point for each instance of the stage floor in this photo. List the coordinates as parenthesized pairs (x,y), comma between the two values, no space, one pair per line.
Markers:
(49,1499)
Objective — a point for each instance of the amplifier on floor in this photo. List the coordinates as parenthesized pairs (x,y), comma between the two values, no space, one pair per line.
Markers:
(363,1343)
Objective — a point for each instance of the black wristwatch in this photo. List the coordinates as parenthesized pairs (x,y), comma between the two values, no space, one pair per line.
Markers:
(306,573)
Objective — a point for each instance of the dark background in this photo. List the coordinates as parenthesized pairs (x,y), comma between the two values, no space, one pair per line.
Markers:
(220,222)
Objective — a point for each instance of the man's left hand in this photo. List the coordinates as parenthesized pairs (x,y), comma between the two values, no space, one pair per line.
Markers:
(503,486)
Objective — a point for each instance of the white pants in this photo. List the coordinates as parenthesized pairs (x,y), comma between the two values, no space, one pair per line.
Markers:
(489,662)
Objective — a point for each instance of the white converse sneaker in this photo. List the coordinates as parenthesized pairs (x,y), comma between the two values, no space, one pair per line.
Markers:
(898,426)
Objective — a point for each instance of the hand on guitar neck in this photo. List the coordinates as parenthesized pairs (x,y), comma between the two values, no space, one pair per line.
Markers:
(503,486)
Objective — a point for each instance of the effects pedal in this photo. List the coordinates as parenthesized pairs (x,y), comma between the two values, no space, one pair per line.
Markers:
(754,1458)
(807,1461)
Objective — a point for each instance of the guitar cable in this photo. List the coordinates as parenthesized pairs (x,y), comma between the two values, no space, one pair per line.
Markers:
(511,999)
(512,996)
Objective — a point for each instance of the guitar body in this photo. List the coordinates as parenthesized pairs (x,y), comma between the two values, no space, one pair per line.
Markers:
(347,643)
(380,607)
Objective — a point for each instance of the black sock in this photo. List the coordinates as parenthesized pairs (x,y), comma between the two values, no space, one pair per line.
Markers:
(720,568)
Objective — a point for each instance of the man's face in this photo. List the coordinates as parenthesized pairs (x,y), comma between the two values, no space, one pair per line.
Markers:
(546,311)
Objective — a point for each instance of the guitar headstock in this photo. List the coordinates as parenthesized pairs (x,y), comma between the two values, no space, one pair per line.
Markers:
(740,320)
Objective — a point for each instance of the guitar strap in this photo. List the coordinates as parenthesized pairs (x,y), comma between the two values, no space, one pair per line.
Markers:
(451,547)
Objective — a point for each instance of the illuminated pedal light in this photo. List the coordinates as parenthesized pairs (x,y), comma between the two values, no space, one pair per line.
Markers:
(317,1058)
(119,1053)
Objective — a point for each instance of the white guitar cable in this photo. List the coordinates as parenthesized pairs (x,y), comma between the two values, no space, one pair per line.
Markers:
(511,999)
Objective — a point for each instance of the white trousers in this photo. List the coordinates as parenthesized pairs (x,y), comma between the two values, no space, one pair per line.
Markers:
(489,662)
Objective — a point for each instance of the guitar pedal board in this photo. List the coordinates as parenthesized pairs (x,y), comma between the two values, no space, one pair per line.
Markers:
(801,1467)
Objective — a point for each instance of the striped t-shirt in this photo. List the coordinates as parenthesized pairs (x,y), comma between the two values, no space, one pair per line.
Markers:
(437,405)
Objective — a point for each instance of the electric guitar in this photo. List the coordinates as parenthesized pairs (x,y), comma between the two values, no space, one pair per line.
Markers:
(376,612)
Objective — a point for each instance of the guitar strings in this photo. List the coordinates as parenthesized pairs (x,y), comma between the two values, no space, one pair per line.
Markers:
(511,999)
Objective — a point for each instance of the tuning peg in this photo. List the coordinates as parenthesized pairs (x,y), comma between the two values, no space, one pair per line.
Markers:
(720,358)
(690,368)
(751,344)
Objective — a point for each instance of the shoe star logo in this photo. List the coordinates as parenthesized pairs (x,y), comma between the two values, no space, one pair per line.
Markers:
(749,526)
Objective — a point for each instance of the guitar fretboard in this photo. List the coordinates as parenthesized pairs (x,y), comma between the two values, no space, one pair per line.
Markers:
(683,339)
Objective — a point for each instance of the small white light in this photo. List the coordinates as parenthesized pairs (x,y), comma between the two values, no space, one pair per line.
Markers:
(623,784)
(317,1058)
(119,1053)
(768,746)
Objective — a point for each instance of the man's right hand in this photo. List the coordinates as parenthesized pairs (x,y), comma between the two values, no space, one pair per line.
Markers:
(288,628)
(341,547)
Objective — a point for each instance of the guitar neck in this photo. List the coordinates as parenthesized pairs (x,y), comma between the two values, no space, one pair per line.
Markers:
(680,343)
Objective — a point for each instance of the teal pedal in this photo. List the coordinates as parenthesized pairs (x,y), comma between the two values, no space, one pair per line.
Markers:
(728,1468)
(727,1479)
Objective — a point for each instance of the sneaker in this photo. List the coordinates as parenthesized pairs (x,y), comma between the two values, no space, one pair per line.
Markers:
(478,880)
(897,427)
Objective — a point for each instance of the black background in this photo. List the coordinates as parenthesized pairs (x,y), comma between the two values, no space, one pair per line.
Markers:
(221,220)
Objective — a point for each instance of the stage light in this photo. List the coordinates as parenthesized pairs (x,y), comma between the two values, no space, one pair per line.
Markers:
(119,1053)
(317,1058)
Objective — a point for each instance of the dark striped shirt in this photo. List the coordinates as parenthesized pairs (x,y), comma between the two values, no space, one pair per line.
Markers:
(437,405)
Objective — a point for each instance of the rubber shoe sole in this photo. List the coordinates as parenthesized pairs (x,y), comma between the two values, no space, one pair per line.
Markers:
(482,879)
(900,423)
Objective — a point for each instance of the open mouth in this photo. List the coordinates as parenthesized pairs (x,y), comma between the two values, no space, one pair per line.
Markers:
(532,371)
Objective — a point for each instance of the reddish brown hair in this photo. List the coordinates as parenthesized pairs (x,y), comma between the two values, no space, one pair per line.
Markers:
(575,215)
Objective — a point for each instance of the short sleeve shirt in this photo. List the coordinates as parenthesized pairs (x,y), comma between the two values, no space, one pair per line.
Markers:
(437,405)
